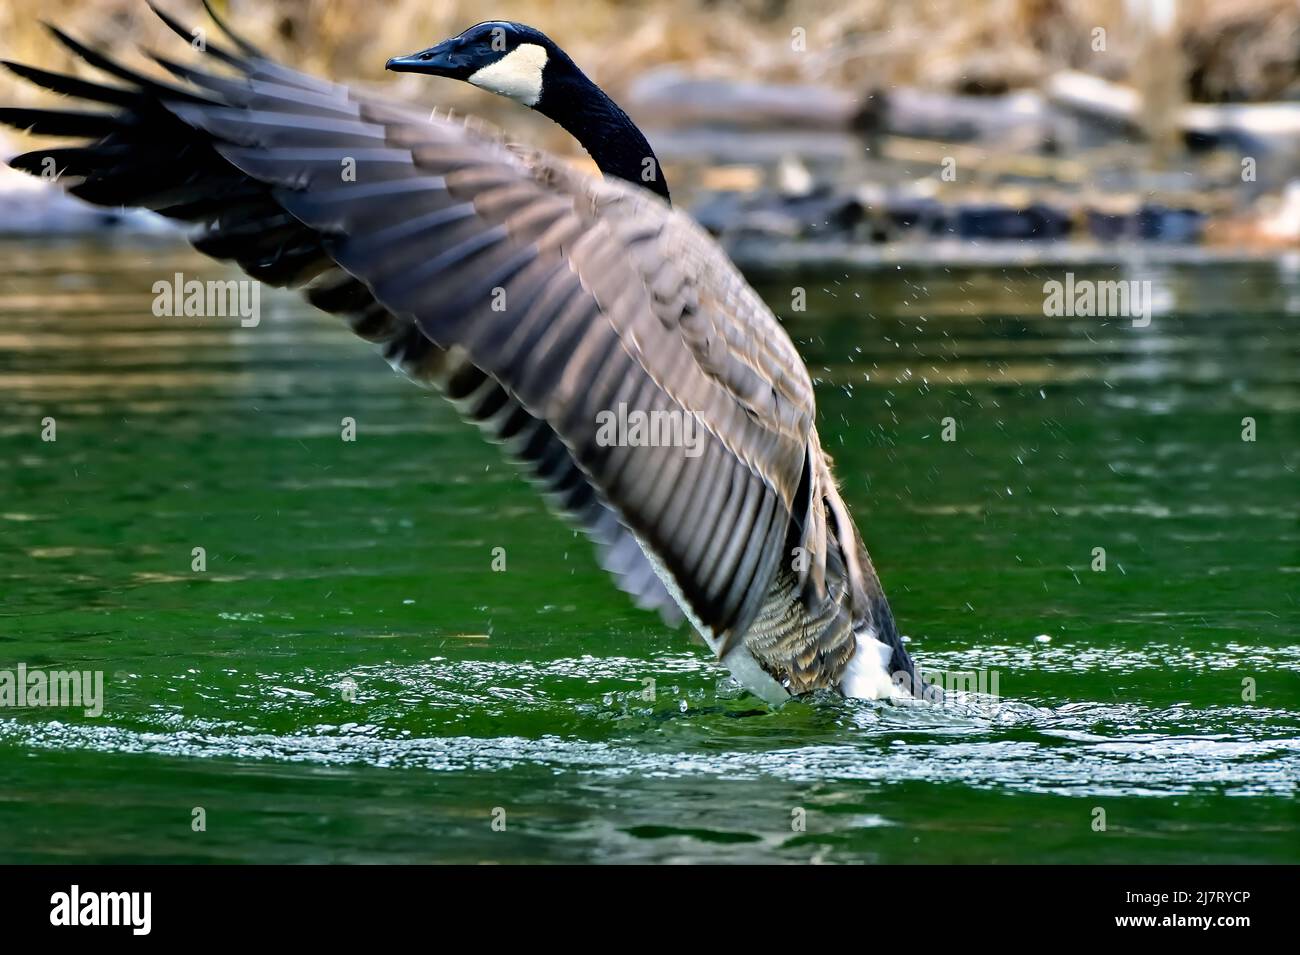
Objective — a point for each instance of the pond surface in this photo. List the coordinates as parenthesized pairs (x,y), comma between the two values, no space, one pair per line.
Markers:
(350,681)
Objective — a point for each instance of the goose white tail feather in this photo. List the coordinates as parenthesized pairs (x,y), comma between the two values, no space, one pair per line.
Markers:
(867,675)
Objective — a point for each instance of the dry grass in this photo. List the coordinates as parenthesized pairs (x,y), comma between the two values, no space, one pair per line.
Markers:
(1233,48)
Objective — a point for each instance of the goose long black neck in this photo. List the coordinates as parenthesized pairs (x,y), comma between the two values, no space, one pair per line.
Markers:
(614,142)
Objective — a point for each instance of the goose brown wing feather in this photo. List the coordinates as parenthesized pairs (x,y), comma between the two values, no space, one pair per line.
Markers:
(592,318)
(612,297)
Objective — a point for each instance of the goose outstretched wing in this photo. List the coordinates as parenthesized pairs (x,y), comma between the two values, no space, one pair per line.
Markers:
(542,300)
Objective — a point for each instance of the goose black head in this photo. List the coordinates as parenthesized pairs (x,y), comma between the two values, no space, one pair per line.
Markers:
(502,57)
(524,64)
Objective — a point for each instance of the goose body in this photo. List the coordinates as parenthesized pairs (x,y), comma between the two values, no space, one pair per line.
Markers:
(535,297)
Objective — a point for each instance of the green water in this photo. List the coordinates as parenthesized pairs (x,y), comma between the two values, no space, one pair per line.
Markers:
(520,692)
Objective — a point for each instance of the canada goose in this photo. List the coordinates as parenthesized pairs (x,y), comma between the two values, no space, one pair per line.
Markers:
(537,298)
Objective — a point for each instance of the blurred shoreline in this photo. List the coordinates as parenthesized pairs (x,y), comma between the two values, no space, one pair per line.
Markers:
(803,133)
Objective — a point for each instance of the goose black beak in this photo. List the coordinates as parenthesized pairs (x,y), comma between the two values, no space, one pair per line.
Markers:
(440,60)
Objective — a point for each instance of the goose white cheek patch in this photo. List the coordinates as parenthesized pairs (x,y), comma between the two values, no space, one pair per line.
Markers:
(517,75)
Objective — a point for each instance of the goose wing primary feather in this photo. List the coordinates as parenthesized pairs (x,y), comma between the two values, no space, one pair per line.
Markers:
(536,296)
(149,157)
